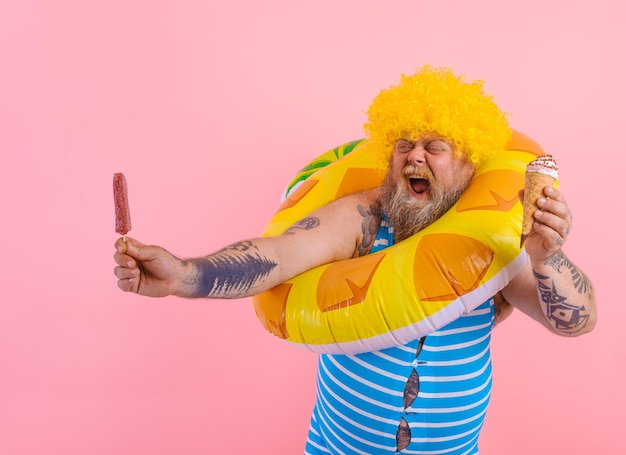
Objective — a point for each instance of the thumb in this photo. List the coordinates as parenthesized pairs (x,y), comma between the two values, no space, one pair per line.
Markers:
(139,251)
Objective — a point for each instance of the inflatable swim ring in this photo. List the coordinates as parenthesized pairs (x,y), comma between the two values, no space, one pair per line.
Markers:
(412,288)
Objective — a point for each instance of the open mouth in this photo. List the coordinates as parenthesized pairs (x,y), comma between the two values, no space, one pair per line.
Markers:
(419,185)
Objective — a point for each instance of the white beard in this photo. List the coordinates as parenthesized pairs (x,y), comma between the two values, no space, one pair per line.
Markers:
(409,215)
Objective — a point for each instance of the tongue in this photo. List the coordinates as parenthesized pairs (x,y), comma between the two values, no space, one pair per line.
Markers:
(419,185)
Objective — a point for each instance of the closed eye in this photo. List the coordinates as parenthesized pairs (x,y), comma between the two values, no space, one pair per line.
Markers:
(438,146)
(404,146)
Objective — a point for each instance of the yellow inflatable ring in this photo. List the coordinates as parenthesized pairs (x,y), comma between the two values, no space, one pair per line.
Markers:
(412,288)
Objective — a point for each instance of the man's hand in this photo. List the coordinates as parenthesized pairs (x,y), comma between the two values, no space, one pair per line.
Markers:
(146,270)
(553,223)
(552,289)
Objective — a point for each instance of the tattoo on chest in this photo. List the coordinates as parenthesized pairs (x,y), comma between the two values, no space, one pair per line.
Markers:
(369,226)
(230,272)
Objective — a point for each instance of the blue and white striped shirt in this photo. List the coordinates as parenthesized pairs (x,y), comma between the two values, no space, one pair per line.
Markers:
(363,399)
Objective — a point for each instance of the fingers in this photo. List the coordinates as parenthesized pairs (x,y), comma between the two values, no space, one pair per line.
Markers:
(127,279)
(127,270)
(130,246)
(553,220)
(130,250)
(123,251)
(120,244)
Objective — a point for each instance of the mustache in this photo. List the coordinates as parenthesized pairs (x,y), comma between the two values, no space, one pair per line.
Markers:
(412,171)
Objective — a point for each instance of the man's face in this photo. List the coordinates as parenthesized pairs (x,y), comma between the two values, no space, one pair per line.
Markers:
(424,180)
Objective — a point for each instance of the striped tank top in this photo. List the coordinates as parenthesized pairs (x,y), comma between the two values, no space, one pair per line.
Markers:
(429,396)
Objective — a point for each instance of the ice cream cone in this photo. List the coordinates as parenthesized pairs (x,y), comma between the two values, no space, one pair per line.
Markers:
(540,173)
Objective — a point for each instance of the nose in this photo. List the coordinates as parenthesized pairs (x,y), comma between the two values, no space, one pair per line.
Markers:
(417,155)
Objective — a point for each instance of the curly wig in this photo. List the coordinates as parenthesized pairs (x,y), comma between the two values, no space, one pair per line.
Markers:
(435,101)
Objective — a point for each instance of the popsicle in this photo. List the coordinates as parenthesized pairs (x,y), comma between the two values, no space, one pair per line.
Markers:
(122,210)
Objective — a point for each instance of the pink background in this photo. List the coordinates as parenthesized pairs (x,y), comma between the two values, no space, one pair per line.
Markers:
(209,108)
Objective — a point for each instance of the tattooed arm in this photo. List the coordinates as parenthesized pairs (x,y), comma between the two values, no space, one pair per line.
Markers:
(557,294)
(551,289)
(334,232)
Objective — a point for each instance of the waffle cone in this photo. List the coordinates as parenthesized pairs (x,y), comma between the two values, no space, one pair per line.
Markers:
(533,190)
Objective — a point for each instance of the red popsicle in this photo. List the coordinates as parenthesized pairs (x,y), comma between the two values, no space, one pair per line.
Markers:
(120,198)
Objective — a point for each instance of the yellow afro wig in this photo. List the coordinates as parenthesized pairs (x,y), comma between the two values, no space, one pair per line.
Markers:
(435,101)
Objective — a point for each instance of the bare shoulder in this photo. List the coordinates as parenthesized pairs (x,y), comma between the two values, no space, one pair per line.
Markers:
(370,214)
(361,213)
(350,222)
